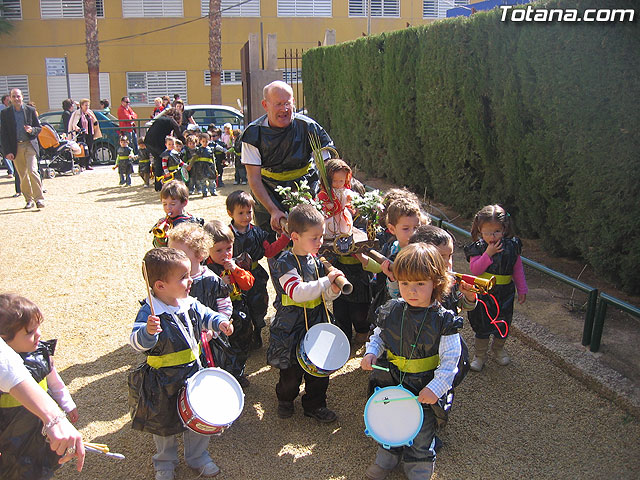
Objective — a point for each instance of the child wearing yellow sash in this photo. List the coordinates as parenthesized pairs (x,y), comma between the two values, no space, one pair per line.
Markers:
(419,339)
(25,453)
(302,287)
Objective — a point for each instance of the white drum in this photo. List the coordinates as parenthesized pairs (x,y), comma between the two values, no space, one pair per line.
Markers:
(211,401)
(323,350)
(393,417)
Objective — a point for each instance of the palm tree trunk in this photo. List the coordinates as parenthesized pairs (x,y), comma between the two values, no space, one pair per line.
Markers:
(93,51)
(215,47)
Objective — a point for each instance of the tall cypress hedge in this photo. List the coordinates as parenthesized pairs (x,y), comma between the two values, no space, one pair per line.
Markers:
(540,117)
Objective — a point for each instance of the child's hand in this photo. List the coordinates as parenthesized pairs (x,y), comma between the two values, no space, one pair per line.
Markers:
(465,288)
(73,415)
(114,167)
(226,328)
(494,248)
(427,396)
(229,265)
(522,297)
(153,325)
(189,167)
(332,275)
(208,335)
(386,269)
(368,360)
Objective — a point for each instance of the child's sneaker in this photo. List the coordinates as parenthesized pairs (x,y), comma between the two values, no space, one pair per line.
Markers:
(209,470)
(164,475)
(204,194)
(321,414)
(376,472)
(214,194)
(285,409)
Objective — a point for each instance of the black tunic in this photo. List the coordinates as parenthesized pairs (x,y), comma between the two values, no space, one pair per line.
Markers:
(286,149)
(288,327)
(502,264)
(25,454)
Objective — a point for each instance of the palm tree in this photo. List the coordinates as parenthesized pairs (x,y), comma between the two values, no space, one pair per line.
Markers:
(93,50)
(215,57)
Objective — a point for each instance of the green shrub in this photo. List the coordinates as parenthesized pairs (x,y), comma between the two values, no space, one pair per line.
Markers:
(542,118)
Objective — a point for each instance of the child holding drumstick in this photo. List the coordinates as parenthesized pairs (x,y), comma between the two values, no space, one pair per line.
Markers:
(167,330)
(301,290)
(421,342)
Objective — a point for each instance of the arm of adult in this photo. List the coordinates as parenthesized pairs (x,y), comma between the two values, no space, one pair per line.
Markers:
(62,435)
(255,183)
(16,379)
(34,127)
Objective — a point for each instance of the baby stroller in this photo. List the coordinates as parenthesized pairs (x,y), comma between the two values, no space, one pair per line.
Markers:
(58,156)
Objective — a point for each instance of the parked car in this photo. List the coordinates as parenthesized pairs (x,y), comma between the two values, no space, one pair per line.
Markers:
(104,149)
(204,115)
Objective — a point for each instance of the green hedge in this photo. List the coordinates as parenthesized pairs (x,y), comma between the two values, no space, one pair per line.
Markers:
(542,118)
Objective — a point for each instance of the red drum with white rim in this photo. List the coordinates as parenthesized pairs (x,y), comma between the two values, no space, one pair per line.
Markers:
(210,402)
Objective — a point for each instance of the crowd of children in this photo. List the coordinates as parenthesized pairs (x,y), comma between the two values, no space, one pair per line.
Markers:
(205,282)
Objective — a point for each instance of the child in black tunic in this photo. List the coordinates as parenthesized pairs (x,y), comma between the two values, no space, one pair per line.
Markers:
(25,452)
(495,252)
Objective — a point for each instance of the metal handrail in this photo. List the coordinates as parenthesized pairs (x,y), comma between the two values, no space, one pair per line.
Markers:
(601,312)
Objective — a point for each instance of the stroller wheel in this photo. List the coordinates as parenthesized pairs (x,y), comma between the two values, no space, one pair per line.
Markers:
(76,170)
(48,172)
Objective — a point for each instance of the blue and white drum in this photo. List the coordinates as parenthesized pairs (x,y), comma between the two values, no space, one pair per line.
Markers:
(393,417)
(323,350)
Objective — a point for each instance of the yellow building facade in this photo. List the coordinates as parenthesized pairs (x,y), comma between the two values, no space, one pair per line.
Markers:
(154,47)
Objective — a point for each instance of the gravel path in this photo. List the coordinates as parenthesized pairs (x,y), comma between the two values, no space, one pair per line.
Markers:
(79,260)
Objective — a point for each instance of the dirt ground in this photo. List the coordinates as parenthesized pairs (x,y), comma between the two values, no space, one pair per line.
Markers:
(79,260)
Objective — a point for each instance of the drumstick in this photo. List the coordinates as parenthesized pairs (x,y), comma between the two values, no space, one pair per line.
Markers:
(108,454)
(345,286)
(146,282)
(414,397)
(378,367)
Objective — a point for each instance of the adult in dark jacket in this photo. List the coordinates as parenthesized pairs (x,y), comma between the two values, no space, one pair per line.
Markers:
(167,123)
(19,132)
(67,106)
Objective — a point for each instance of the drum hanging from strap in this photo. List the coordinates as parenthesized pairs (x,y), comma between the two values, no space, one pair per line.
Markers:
(393,416)
(323,350)
(210,402)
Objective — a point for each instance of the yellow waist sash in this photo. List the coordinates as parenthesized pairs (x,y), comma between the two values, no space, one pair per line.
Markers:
(254,265)
(288,301)
(348,260)
(9,401)
(416,365)
(286,176)
(500,279)
(123,157)
(171,359)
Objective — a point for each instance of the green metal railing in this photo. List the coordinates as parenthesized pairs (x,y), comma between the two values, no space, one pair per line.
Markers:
(596,301)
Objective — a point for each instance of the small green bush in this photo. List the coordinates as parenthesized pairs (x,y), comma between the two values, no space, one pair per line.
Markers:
(542,118)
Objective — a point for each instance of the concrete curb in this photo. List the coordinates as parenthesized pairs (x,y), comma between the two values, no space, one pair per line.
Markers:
(580,363)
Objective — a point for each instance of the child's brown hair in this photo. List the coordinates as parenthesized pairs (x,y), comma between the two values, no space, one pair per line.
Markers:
(303,217)
(193,236)
(335,165)
(161,261)
(176,190)
(239,198)
(16,313)
(419,262)
(492,214)
(431,235)
(205,135)
(219,231)
(403,207)
(391,196)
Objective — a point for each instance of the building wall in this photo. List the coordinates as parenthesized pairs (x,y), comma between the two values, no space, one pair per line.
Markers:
(183,48)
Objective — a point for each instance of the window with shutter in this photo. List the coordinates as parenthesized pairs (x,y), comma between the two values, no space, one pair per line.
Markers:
(438,8)
(143,87)
(231,8)
(304,8)
(9,82)
(67,8)
(379,8)
(152,8)
(11,10)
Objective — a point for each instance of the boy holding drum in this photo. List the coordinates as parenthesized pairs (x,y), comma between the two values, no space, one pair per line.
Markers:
(421,342)
(168,333)
(302,287)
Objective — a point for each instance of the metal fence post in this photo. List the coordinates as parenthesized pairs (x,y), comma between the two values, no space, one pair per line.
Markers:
(598,326)
(592,301)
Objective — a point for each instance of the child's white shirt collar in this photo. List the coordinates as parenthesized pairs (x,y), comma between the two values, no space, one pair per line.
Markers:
(159,307)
